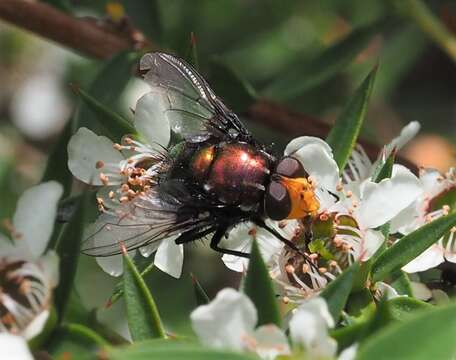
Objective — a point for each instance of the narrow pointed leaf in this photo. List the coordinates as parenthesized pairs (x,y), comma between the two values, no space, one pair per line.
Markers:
(172,350)
(344,134)
(68,248)
(115,124)
(337,292)
(144,266)
(191,54)
(200,294)
(428,335)
(384,169)
(236,92)
(401,283)
(410,246)
(142,314)
(107,88)
(259,288)
(324,66)
(402,307)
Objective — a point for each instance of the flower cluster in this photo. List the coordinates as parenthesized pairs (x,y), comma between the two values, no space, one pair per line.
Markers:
(230,320)
(28,274)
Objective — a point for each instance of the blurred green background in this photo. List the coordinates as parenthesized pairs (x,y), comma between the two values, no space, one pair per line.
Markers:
(308,55)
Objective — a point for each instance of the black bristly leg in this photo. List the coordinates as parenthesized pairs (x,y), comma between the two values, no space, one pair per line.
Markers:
(216,240)
(192,235)
(289,243)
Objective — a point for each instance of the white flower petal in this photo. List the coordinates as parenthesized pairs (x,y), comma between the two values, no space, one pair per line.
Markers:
(35,215)
(85,150)
(318,307)
(150,118)
(50,265)
(148,250)
(301,141)
(407,220)
(170,257)
(373,239)
(386,291)
(269,342)
(430,180)
(420,291)
(429,259)
(309,328)
(112,265)
(14,347)
(36,326)
(241,236)
(349,353)
(225,321)
(408,132)
(319,164)
(383,201)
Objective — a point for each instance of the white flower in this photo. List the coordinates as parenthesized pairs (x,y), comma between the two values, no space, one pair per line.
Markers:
(14,347)
(317,160)
(436,200)
(242,235)
(229,322)
(343,232)
(370,206)
(29,276)
(359,167)
(309,329)
(127,171)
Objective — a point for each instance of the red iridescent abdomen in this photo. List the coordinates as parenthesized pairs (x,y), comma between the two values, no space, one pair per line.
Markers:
(234,172)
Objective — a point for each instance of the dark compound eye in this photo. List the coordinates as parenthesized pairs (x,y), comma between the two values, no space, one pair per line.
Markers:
(290,167)
(277,202)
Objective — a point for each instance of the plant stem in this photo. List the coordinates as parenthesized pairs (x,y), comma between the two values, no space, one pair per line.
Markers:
(86,333)
(429,24)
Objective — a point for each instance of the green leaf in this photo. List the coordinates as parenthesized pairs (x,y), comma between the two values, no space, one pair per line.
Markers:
(401,283)
(115,124)
(343,135)
(172,350)
(258,287)
(191,54)
(68,248)
(237,92)
(429,335)
(200,294)
(144,265)
(384,170)
(337,292)
(107,88)
(143,318)
(322,67)
(348,335)
(145,15)
(83,332)
(402,307)
(410,246)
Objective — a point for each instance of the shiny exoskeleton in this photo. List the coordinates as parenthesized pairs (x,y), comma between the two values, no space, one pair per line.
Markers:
(212,176)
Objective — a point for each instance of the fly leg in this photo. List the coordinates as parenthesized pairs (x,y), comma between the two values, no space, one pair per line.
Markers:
(192,235)
(289,243)
(215,241)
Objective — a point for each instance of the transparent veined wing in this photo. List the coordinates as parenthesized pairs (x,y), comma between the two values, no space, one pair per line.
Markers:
(187,102)
(145,220)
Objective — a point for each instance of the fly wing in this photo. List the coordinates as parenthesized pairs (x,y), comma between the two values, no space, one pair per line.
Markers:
(145,220)
(191,106)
